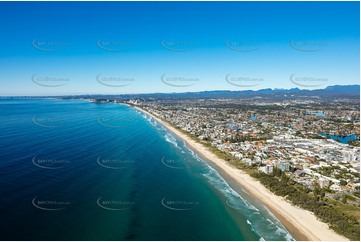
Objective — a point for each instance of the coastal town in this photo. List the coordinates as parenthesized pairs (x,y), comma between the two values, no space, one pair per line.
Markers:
(180,120)
(317,148)
(296,151)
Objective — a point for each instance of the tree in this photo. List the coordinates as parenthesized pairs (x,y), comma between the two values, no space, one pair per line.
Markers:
(322,193)
(343,183)
(284,178)
(317,190)
(277,172)
(344,199)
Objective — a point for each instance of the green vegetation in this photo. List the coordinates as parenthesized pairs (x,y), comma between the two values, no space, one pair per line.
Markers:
(343,183)
(351,211)
(357,194)
(355,143)
(339,173)
(335,216)
(340,221)
(344,199)
(349,197)
(342,217)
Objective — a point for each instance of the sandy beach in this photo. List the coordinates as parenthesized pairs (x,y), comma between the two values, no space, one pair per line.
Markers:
(302,224)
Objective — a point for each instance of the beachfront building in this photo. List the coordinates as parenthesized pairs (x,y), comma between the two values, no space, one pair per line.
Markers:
(323,182)
(268,169)
(269,141)
(335,188)
(284,166)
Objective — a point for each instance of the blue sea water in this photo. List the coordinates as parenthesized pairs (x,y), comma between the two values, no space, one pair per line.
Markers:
(75,170)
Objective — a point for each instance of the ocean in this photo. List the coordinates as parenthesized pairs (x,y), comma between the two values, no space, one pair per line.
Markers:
(75,170)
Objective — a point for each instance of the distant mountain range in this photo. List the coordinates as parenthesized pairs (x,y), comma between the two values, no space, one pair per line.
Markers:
(338,91)
(330,92)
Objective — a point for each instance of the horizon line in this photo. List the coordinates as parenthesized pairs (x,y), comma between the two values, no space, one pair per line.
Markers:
(150,93)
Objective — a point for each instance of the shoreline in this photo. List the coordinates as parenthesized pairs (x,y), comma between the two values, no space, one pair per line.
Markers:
(301,223)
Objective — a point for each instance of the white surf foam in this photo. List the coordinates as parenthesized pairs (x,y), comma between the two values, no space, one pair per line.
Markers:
(273,231)
(170,138)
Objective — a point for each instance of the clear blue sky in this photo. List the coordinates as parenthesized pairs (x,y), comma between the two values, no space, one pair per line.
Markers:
(251,42)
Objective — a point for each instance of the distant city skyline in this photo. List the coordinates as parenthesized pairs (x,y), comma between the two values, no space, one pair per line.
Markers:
(76,48)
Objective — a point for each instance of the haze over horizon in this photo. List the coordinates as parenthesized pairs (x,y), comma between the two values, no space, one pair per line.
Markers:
(184,92)
(180,121)
(130,48)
